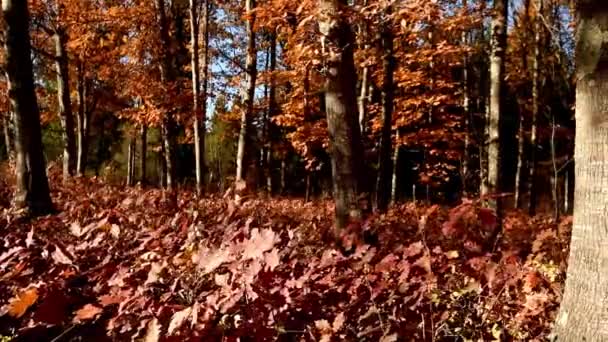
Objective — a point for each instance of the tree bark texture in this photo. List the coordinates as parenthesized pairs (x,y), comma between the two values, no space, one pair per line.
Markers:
(341,110)
(32,188)
(584,309)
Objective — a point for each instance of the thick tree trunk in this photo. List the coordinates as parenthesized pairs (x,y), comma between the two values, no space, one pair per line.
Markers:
(383,188)
(199,115)
(495,124)
(535,111)
(166,75)
(65,104)
(584,305)
(143,154)
(244,144)
(32,183)
(341,109)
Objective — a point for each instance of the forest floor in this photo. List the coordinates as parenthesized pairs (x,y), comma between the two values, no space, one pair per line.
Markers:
(125,264)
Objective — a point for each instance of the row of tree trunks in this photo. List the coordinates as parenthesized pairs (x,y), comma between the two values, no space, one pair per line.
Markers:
(244,154)
(32,188)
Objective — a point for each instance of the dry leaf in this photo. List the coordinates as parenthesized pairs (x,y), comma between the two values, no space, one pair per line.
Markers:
(60,257)
(153,332)
(338,322)
(23,301)
(272,259)
(389,338)
(178,319)
(154,273)
(29,241)
(87,313)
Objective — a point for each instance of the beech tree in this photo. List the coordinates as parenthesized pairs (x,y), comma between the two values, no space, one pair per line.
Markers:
(32,184)
(582,315)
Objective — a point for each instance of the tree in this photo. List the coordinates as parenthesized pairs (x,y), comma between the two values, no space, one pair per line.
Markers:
(244,146)
(198,110)
(341,110)
(582,315)
(495,122)
(32,183)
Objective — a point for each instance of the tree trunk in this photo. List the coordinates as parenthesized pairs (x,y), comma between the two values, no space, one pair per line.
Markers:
(465,109)
(166,75)
(341,110)
(272,105)
(65,104)
(495,124)
(32,187)
(6,127)
(199,115)
(383,188)
(535,111)
(143,153)
(131,162)
(395,180)
(82,122)
(244,144)
(582,316)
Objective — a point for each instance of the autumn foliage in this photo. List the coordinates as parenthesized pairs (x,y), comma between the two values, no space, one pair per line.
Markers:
(122,264)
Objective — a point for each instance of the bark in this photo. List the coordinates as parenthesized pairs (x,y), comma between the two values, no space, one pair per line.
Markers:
(199,111)
(32,188)
(143,154)
(383,188)
(341,110)
(244,144)
(83,121)
(535,111)
(495,122)
(582,316)
(65,104)
(167,75)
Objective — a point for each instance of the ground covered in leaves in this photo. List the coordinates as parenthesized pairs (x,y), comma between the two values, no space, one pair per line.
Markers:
(126,264)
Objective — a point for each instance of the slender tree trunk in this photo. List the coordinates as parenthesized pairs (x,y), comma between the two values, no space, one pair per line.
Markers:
(6,127)
(465,109)
(32,183)
(395,180)
(243,149)
(283,176)
(143,153)
(131,162)
(582,316)
(341,109)
(383,188)
(272,105)
(82,122)
(535,110)
(166,75)
(521,131)
(199,116)
(555,176)
(65,104)
(497,62)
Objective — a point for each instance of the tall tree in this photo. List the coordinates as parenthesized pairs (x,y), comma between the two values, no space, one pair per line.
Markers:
(32,183)
(198,110)
(535,108)
(341,110)
(6,128)
(583,310)
(495,115)
(383,188)
(167,75)
(65,104)
(244,145)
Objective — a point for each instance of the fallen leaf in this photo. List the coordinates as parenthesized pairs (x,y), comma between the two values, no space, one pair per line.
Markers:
(178,319)
(23,301)
(115,231)
(60,257)
(153,331)
(389,338)
(338,322)
(154,273)
(87,313)
(29,241)
(272,259)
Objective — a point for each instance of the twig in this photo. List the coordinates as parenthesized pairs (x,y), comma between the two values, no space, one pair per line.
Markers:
(64,333)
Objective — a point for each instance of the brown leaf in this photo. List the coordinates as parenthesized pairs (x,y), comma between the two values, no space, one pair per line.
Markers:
(153,332)
(29,241)
(23,301)
(259,243)
(87,313)
(272,259)
(154,273)
(389,338)
(178,319)
(338,322)
(60,257)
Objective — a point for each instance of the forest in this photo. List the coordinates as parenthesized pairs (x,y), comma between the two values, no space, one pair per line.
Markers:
(313,170)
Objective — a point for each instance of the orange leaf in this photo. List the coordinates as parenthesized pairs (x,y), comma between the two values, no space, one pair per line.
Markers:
(19,305)
(87,312)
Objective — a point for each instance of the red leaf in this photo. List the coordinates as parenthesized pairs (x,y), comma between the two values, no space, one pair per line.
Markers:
(87,313)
